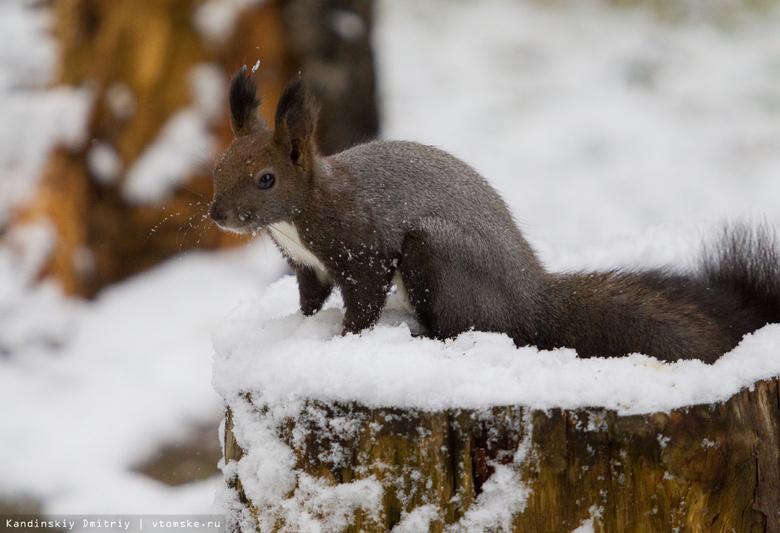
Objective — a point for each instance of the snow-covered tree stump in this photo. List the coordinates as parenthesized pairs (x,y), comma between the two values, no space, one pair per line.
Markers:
(388,432)
(703,468)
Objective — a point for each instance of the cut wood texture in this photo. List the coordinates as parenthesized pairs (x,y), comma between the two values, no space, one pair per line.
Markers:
(137,59)
(705,468)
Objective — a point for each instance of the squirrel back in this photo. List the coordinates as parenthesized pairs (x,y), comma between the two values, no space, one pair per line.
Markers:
(394,212)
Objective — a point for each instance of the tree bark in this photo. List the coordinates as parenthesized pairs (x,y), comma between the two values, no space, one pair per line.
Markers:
(705,468)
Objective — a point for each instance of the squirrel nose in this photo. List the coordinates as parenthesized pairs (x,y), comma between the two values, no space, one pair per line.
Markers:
(217,213)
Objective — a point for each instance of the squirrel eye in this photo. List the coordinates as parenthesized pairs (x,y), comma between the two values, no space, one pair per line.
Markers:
(264,181)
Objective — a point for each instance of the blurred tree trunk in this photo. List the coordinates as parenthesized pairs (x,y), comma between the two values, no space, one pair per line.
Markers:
(330,40)
(137,58)
(707,468)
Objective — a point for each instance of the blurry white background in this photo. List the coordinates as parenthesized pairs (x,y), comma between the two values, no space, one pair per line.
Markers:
(616,135)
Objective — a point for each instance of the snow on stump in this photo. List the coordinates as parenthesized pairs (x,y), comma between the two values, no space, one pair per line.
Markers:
(389,432)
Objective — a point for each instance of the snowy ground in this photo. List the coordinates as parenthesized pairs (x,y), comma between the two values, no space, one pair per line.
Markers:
(616,139)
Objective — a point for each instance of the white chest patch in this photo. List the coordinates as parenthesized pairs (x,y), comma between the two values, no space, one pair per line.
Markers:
(287,237)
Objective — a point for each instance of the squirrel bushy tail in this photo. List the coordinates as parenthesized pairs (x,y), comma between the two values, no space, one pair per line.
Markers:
(671,315)
(744,266)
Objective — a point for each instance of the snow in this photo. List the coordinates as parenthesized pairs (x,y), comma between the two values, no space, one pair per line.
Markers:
(418,520)
(104,163)
(594,123)
(183,145)
(32,315)
(32,123)
(285,358)
(32,119)
(216,19)
(27,56)
(131,370)
(617,139)
(172,157)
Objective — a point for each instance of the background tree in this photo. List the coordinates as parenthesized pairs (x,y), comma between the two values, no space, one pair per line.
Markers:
(157,73)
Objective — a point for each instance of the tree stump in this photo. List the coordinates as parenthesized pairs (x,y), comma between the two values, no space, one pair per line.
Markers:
(355,468)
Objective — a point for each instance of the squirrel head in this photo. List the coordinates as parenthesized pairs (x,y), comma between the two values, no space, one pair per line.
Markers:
(264,175)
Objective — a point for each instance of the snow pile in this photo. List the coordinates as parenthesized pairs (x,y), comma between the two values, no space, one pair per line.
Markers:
(284,358)
(118,377)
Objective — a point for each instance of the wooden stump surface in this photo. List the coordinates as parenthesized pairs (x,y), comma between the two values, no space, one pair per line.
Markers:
(705,468)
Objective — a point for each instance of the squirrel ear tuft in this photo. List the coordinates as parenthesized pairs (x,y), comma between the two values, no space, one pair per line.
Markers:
(243,104)
(296,121)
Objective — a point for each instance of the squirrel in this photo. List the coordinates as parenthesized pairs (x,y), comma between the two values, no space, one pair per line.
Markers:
(400,213)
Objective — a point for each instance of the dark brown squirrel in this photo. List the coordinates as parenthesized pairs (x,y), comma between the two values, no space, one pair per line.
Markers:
(394,212)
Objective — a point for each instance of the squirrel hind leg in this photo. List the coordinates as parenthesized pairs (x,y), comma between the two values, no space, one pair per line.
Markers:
(449,294)
(420,277)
